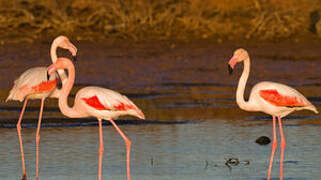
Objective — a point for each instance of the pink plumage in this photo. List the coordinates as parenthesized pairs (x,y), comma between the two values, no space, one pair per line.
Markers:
(274,97)
(29,84)
(105,103)
(101,103)
(35,84)
(271,98)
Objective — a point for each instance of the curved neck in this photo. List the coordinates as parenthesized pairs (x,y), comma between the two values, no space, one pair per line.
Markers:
(63,98)
(53,55)
(53,52)
(245,105)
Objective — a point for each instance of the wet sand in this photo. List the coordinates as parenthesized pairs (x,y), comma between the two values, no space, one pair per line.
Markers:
(193,124)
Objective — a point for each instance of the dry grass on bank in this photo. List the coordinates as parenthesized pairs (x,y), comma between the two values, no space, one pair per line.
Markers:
(140,19)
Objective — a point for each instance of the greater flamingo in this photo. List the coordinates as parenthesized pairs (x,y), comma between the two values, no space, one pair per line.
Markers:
(275,99)
(36,84)
(101,103)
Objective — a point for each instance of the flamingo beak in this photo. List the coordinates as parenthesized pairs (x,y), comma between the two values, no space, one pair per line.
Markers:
(48,76)
(72,49)
(51,69)
(231,64)
(230,69)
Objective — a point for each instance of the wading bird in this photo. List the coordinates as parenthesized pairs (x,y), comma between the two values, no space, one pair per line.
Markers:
(36,84)
(275,99)
(101,103)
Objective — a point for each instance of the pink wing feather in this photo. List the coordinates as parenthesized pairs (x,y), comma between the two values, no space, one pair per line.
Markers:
(32,81)
(274,97)
(94,102)
(105,99)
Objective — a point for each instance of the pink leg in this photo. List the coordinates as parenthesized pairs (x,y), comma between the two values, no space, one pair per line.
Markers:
(38,136)
(101,148)
(282,148)
(274,145)
(20,139)
(128,144)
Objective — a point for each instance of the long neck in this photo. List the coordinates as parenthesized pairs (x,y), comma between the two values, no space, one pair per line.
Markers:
(245,105)
(63,98)
(53,55)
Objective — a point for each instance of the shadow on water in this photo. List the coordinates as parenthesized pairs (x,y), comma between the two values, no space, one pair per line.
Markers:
(291,162)
(83,122)
(289,117)
(146,95)
(17,109)
(188,105)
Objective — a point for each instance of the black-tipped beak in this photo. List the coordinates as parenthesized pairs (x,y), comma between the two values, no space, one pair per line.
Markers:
(230,69)
(74,58)
(59,85)
(48,76)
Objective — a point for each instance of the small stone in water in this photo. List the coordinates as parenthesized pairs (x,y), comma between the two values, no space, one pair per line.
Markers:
(232,161)
(263,140)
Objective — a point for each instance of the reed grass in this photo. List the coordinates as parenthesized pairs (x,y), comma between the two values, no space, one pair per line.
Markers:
(147,19)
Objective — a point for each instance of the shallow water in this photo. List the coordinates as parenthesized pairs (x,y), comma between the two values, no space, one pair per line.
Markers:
(193,125)
(195,150)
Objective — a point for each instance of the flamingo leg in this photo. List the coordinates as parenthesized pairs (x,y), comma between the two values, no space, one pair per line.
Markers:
(38,136)
(128,145)
(101,148)
(20,139)
(282,148)
(274,145)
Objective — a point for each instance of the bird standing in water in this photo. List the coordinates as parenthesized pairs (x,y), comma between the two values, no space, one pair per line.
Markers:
(275,99)
(36,84)
(101,103)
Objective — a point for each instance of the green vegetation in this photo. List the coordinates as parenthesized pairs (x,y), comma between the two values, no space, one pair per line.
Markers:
(164,19)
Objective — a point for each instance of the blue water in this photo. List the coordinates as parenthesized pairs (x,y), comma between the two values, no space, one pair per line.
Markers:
(159,151)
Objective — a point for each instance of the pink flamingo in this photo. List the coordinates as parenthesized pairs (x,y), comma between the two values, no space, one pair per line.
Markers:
(36,84)
(269,97)
(104,104)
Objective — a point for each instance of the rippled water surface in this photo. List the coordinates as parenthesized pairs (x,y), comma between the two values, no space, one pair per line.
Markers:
(160,151)
(193,125)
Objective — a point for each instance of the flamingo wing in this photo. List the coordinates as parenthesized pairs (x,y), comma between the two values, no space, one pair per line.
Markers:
(102,99)
(32,81)
(276,98)
(94,102)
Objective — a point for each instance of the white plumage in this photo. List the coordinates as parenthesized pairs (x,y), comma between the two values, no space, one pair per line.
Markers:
(30,78)
(262,105)
(271,98)
(109,99)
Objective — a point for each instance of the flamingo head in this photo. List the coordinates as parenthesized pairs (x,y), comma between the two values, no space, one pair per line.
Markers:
(63,42)
(238,56)
(61,63)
